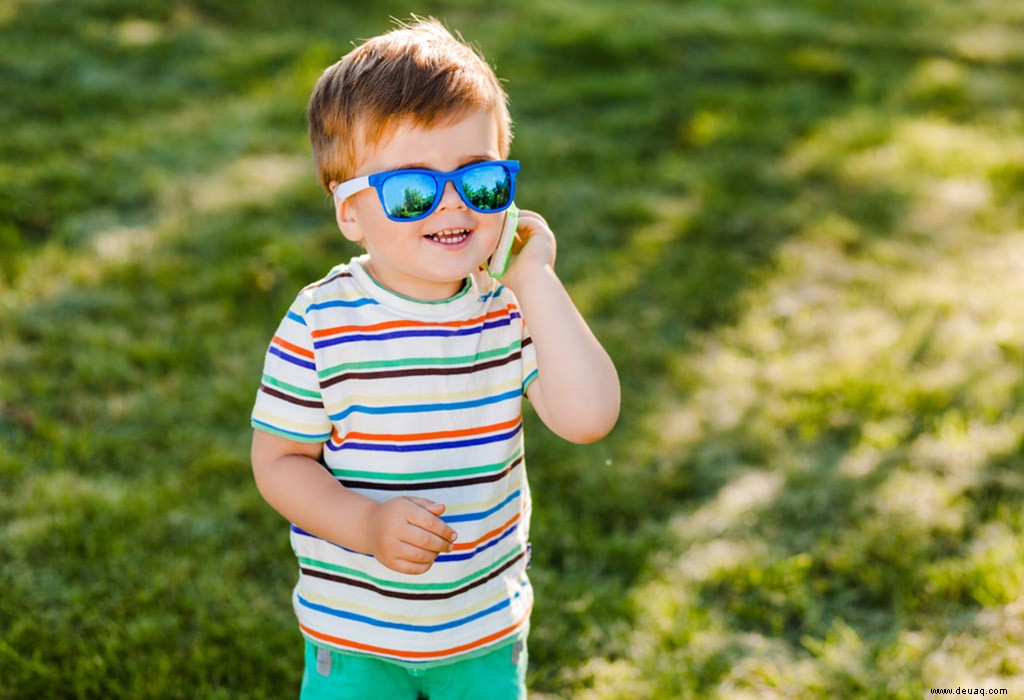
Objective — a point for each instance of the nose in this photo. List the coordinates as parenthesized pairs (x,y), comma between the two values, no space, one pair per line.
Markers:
(450,198)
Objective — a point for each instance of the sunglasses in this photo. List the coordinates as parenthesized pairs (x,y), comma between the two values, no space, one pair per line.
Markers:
(411,194)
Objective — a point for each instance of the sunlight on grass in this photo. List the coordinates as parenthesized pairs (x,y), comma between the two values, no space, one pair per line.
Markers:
(986,654)
(138,32)
(733,503)
(994,43)
(247,180)
(122,243)
(875,148)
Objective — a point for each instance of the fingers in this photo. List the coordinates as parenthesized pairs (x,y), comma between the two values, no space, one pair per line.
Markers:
(403,566)
(528,217)
(427,517)
(435,508)
(531,223)
(411,560)
(535,243)
(424,541)
(410,534)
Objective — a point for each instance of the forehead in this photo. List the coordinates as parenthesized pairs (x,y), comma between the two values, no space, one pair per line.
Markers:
(441,146)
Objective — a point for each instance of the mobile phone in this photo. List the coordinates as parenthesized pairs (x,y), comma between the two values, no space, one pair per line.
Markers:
(498,262)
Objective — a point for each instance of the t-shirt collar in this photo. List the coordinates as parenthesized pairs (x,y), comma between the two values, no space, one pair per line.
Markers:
(456,306)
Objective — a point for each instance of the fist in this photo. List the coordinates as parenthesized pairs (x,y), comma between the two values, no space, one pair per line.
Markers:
(407,534)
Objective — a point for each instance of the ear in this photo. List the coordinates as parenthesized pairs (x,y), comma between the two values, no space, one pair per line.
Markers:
(345,215)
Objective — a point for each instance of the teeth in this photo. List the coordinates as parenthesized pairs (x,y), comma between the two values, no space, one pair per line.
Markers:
(450,236)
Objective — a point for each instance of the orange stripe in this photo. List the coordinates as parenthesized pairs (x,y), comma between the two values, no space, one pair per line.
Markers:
(493,533)
(426,437)
(293,348)
(414,655)
(390,325)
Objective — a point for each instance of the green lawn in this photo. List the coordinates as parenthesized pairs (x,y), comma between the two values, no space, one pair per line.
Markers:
(796,225)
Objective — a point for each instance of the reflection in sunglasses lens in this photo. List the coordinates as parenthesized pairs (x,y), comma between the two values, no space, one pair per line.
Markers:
(487,187)
(408,196)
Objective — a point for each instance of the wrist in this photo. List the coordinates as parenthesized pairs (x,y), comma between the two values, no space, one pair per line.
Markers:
(371,526)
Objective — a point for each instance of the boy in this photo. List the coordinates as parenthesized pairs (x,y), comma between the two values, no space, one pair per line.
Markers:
(388,427)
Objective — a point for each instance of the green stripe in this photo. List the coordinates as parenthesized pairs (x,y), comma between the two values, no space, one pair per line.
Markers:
(287,434)
(408,586)
(267,379)
(425,476)
(419,361)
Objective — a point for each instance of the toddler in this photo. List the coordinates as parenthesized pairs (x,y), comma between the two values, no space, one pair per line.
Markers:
(388,426)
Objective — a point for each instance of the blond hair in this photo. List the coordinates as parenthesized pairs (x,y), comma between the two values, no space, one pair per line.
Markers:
(417,72)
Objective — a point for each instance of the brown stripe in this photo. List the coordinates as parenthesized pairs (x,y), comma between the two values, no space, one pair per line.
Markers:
(328,280)
(422,371)
(289,398)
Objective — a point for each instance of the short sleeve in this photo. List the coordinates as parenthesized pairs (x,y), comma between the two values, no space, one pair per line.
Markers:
(289,403)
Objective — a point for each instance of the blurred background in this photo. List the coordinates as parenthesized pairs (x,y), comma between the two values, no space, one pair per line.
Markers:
(796,225)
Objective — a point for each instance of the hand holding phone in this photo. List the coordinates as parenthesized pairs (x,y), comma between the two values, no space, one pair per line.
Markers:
(498,262)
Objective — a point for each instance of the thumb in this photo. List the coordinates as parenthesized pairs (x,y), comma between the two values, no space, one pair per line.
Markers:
(433,507)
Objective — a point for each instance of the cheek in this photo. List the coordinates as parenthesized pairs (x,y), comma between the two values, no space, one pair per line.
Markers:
(492,229)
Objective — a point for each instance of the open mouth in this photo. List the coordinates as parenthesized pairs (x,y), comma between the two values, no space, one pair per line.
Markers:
(452,236)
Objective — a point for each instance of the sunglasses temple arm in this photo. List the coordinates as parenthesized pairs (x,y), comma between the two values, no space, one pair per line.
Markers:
(348,188)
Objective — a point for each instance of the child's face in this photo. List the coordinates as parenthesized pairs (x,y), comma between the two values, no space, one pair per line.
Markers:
(426,259)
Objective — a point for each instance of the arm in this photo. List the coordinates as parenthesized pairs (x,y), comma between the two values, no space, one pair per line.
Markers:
(404,534)
(577,390)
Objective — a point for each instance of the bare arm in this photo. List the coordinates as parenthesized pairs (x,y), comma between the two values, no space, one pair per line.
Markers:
(404,534)
(577,392)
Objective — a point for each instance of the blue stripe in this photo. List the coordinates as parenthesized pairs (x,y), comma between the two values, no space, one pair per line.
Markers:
(300,437)
(483,514)
(422,447)
(529,380)
(336,303)
(482,548)
(344,614)
(494,293)
(295,317)
(274,350)
(437,333)
(427,407)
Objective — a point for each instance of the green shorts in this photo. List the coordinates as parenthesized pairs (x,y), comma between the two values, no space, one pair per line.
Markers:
(496,675)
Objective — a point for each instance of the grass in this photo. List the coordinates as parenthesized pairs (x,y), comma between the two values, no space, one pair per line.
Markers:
(796,226)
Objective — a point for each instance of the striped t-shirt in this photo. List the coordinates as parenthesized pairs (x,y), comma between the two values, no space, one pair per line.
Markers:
(418,399)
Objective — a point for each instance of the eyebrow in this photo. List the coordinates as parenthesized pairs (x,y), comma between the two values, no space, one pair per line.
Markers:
(469,160)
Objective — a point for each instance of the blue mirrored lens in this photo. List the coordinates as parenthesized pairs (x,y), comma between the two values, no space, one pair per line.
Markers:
(487,187)
(409,195)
